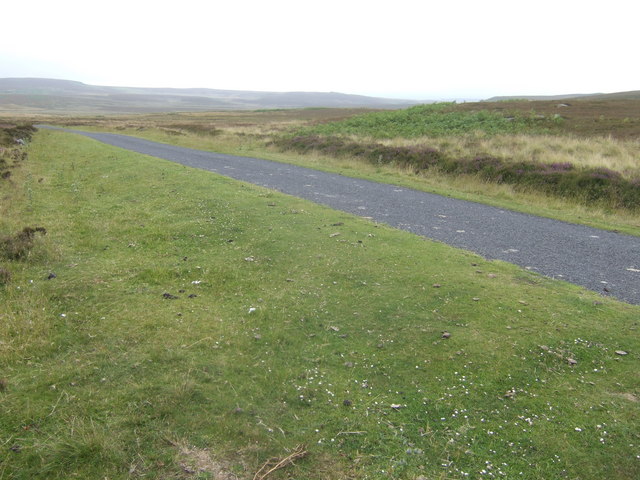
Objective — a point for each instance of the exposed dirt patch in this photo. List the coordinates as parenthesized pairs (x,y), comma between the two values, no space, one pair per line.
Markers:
(627,396)
(194,461)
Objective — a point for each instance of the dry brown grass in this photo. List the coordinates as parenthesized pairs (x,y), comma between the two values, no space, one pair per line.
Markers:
(620,155)
(199,461)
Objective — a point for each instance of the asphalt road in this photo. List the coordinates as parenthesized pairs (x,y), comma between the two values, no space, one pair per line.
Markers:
(603,261)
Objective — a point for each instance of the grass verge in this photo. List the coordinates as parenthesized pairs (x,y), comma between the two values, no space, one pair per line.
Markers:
(176,324)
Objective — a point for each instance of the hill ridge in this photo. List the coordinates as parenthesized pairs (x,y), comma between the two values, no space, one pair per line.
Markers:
(69,96)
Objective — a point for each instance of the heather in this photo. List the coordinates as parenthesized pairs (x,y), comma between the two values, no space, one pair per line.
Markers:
(586,185)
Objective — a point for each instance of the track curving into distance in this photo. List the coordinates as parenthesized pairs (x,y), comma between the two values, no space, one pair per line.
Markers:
(593,258)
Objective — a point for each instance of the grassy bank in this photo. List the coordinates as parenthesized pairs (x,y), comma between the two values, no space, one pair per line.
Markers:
(176,324)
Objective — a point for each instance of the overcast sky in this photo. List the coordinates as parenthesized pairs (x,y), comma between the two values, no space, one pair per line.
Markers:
(395,48)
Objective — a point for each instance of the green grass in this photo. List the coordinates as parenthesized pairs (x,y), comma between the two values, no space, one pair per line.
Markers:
(434,120)
(296,335)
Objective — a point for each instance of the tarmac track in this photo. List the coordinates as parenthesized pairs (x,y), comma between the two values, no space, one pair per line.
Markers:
(604,261)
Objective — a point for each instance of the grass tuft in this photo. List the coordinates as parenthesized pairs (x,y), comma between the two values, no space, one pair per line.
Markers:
(19,245)
(5,276)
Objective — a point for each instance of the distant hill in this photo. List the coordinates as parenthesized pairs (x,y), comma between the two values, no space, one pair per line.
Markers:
(42,95)
(632,95)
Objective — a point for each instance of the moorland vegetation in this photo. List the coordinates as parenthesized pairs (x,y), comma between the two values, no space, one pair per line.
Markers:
(574,161)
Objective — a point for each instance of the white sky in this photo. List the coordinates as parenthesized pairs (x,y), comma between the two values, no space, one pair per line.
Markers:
(396,48)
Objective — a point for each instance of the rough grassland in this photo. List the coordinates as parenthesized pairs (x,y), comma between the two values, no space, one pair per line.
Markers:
(292,325)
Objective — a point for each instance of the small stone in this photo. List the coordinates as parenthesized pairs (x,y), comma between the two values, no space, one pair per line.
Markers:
(51,276)
(436,285)
(347,403)
(334,329)
(168,296)
(572,361)
(446,335)
(192,295)
(334,234)
(607,289)
(622,353)
(348,364)
(396,406)
(475,299)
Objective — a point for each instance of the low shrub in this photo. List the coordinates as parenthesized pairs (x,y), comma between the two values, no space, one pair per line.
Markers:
(15,247)
(9,136)
(587,185)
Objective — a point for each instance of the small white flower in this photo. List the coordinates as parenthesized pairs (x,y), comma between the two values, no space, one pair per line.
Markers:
(252,309)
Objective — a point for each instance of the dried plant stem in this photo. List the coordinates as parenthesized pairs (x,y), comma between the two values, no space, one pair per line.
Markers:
(275,463)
